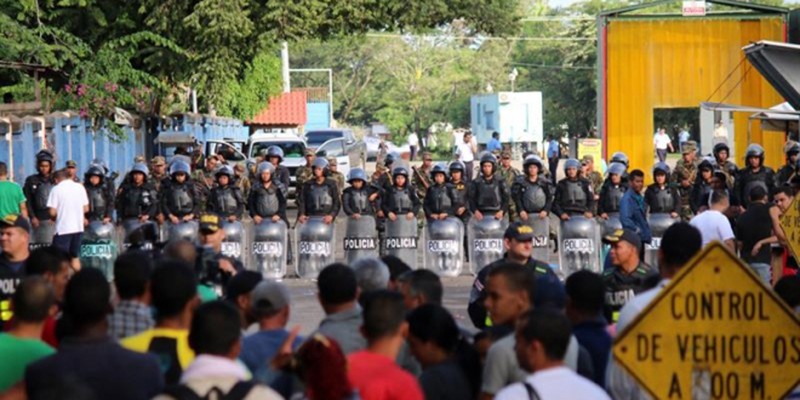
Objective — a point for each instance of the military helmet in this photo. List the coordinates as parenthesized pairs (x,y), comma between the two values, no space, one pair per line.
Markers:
(621,158)
(438,169)
(617,168)
(720,147)
(265,166)
(357,174)
(661,167)
(532,160)
(179,166)
(572,163)
(141,168)
(44,155)
(320,162)
(95,170)
(400,171)
(754,150)
(456,166)
(490,158)
(275,151)
(224,170)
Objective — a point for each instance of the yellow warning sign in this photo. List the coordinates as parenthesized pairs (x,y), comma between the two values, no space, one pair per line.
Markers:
(714,332)
(790,222)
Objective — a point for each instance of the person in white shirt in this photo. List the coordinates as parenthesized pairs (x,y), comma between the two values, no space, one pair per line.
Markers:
(68,204)
(662,142)
(413,144)
(680,243)
(465,152)
(713,224)
(542,337)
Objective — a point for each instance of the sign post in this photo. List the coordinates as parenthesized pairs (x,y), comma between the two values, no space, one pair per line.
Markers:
(714,332)
(790,222)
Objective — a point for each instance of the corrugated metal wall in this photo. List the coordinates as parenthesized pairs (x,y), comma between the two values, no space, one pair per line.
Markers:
(671,63)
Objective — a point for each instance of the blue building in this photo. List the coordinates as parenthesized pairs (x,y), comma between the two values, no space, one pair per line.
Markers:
(517,116)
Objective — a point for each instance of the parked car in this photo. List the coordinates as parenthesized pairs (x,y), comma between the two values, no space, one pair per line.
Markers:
(293,151)
(373,147)
(346,158)
(316,138)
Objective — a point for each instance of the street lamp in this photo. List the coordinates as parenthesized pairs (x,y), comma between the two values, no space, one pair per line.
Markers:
(513,77)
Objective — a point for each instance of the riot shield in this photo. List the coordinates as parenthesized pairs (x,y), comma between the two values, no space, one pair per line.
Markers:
(402,240)
(485,241)
(186,230)
(659,222)
(444,253)
(233,244)
(42,236)
(98,248)
(140,235)
(579,245)
(541,236)
(268,249)
(612,224)
(315,241)
(360,238)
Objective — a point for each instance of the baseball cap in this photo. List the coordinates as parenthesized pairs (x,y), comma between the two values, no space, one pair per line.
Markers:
(519,232)
(158,160)
(242,283)
(309,152)
(72,164)
(626,235)
(16,221)
(268,297)
(550,292)
(209,223)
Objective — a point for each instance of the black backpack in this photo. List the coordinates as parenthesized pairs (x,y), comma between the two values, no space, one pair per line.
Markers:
(238,392)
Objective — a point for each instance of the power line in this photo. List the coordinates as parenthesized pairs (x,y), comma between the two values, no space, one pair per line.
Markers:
(552,66)
(484,38)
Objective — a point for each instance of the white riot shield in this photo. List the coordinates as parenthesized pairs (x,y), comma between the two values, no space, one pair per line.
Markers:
(186,230)
(233,245)
(579,245)
(485,241)
(611,225)
(99,248)
(360,238)
(42,236)
(268,250)
(402,240)
(659,222)
(541,236)
(444,251)
(145,234)
(315,241)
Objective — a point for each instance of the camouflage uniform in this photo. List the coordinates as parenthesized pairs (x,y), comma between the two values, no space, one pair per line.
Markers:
(685,171)
(421,179)
(304,173)
(204,181)
(509,176)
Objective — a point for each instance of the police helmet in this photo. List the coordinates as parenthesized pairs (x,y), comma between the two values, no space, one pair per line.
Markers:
(621,158)
(265,167)
(572,163)
(390,158)
(438,169)
(224,170)
(533,159)
(754,150)
(179,166)
(617,168)
(791,148)
(456,166)
(707,164)
(720,147)
(357,174)
(275,151)
(661,167)
(400,171)
(490,158)
(320,162)
(102,164)
(95,170)
(44,155)
(141,168)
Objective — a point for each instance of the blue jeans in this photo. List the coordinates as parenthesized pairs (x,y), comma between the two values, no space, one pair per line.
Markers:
(763,270)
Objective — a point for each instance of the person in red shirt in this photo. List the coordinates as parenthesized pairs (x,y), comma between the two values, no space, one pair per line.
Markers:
(373,371)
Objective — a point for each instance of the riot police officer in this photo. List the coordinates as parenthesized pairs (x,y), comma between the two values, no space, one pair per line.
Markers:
(622,158)
(267,199)
(356,198)
(754,173)
(659,196)
(101,203)
(137,198)
(532,194)
(37,189)
(460,191)
(702,188)
(439,199)
(226,199)
(109,176)
(487,194)
(612,190)
(275,157)
(401,198)
(724,164)
(319,196)
(573,193)
(178,200)
(791,150)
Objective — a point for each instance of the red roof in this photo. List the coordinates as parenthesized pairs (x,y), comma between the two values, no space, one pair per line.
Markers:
(286,109)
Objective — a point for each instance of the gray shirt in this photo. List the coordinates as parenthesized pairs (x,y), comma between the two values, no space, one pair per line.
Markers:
(345,328)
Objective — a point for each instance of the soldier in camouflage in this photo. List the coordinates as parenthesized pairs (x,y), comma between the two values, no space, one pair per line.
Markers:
(334,174)
(204,180)
(158,172)
(241,180)
(509,175)
(683,177)
(422,175)
(305,173)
